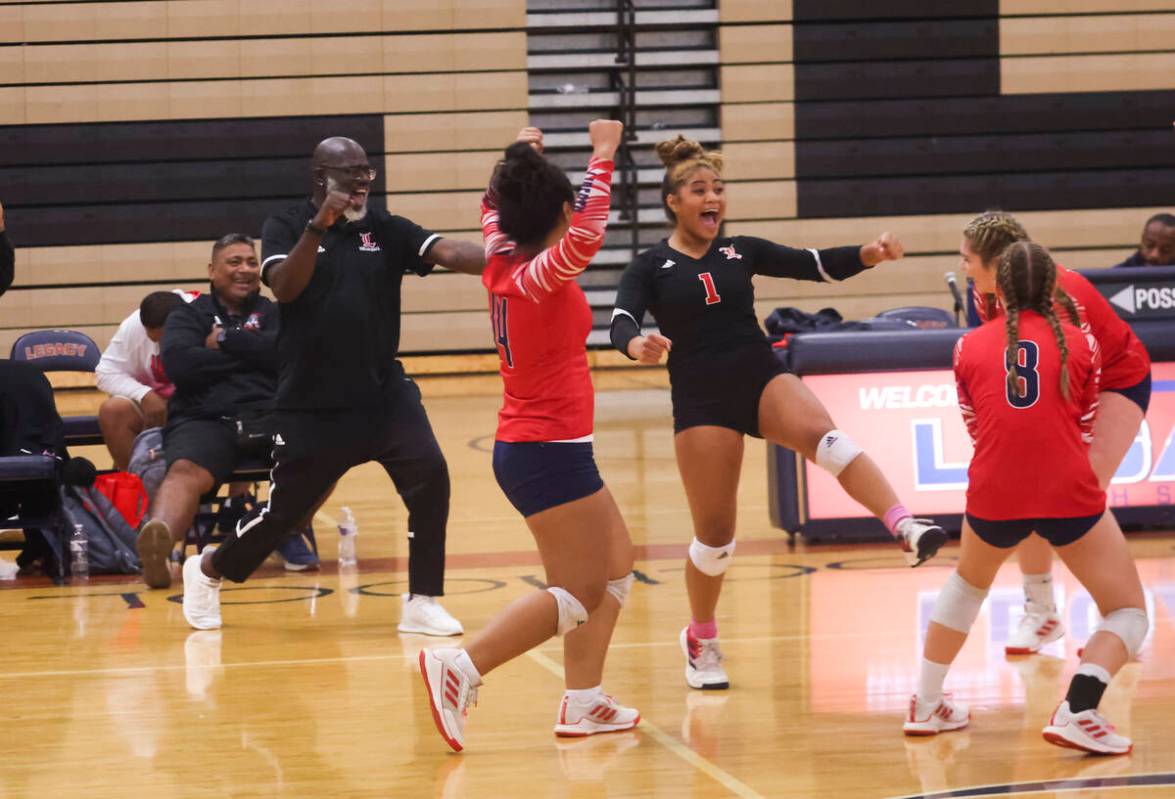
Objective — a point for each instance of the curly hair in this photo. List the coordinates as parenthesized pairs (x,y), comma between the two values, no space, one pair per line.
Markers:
(682,157)
(529,192)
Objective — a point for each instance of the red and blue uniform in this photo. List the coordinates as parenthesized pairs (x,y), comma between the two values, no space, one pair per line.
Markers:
(1031,456)
(541,320)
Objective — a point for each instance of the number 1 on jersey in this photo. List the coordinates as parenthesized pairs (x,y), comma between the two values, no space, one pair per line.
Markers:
(712,297)
(501,333)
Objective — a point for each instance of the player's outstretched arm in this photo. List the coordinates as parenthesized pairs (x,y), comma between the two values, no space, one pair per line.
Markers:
(459,256)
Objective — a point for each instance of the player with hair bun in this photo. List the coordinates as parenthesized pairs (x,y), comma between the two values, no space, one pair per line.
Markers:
(539,235)
(1028,391)
(728,383)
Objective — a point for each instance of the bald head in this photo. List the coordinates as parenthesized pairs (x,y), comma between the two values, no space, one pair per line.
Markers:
(339,151)
(341,165)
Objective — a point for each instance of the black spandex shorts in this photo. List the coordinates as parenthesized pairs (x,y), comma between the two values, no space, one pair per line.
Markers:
(1009,533)
(724,394)
(1139,393)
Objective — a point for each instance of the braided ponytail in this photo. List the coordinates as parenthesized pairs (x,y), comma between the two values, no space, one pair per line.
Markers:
(1027,278)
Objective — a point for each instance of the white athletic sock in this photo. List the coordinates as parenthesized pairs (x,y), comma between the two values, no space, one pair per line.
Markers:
(583,696)
(1038,593)
(1094,670)
(930,682)
(463,662)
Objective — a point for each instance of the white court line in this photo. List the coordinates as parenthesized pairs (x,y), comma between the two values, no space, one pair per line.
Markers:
(668,741)
(401,656)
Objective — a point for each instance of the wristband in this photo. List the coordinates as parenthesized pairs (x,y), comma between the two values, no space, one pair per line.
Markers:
(312,228)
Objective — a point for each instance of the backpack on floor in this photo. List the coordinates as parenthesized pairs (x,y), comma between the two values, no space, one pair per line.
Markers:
(111,540)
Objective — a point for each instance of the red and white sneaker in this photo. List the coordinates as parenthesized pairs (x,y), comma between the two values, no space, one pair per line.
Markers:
(943,717)
(450,693)
(1035,630)
(602,714)
(703,663)
(1088,731)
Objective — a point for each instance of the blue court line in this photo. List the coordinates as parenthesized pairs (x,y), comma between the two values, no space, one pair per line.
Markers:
(1163,385)
(1072,784)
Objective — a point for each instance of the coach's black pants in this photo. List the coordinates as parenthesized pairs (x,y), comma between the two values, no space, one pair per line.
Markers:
(314,449)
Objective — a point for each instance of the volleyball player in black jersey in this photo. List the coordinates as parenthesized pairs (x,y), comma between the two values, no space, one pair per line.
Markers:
(727,382)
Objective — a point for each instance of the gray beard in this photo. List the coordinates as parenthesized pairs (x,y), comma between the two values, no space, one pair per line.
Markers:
(350,214)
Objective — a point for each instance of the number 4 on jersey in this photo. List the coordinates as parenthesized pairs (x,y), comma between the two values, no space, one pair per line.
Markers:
(501,332)
(712,297)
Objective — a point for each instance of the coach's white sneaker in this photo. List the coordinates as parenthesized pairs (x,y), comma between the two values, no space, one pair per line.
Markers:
(201,595)
(450,693)
(423,615)
(703,663)
(925,719)
(1088,731)
(1036,629)
(602,714)
(920,539)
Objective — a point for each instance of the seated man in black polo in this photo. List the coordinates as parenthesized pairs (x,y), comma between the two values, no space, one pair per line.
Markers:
(220,351)
(1157,244)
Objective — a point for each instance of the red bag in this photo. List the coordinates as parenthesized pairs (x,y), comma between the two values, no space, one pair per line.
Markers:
(125,492)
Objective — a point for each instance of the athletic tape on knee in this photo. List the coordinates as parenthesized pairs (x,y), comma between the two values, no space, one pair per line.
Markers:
(711,561)
(958,604)
(572,613)
(835,452)
(1129,624)
(619,587)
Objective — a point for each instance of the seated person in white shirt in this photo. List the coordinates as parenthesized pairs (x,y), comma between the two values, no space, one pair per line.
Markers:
(131,372)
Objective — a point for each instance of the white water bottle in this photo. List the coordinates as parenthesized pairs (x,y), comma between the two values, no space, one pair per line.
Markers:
(79,555)
(348,530)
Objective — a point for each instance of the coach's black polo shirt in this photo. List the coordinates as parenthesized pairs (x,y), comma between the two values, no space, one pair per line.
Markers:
(339,338)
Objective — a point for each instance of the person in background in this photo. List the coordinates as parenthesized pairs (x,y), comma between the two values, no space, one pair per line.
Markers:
(1157,246)
(7,257)
(131,372)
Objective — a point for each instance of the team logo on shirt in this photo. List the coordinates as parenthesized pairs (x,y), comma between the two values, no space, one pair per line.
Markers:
(253,322)
(367,242)
(667,265)
(729,252)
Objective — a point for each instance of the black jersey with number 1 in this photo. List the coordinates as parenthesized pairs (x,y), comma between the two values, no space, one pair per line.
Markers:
(706,307)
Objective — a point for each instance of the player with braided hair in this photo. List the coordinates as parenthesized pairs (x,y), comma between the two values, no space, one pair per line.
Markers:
(1125,394)
(1042,399)
(728,383)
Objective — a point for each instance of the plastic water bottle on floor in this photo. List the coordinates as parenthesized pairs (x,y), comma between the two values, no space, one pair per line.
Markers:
(79,555)
(348,532)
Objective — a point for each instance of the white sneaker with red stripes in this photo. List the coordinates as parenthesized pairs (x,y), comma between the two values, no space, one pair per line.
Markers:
(450,694)
(602,714)
(1087,731)
(703,662)
(924,719)
(1036,629)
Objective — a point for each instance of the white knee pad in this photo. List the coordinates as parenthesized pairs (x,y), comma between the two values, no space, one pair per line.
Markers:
(835,452)
(620,587)
(1129,624)
(572,613)
(958,604)
(711,561)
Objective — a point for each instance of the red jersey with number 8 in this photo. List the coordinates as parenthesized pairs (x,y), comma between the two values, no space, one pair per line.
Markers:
(541,320)
(1031,456)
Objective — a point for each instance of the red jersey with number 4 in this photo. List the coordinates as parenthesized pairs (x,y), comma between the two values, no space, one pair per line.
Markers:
(1031,445)
(541,320)
(1125,361)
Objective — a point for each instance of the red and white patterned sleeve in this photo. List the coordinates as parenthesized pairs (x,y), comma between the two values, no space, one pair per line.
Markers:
(965,406)
(495,240)
(548,271)
(1089,393)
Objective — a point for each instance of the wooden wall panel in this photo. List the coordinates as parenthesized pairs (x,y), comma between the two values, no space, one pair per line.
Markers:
(419,172)
(1088,73)
(759,160)
(1101,34)
(751,44)
(754,122)
(733,11)
(767,199)
(1015,7)
(447,132)
(759,83)
(440,211)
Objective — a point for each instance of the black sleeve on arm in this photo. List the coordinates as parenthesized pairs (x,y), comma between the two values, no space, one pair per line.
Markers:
(277,239)
(407,244)
(190,364)
(827,265)
(7,262)
(258,349)
(632,299)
